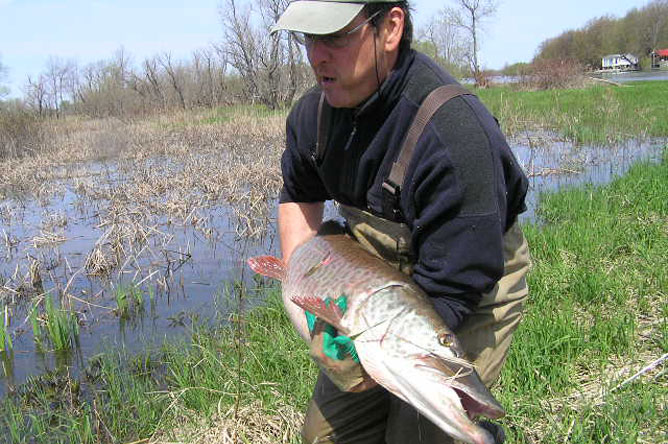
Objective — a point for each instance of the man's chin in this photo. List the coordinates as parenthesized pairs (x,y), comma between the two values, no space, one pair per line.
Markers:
(338,101)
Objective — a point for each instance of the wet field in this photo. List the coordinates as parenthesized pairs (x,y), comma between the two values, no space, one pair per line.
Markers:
(138,268)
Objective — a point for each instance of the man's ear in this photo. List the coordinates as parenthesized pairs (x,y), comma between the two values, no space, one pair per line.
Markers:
(394,28)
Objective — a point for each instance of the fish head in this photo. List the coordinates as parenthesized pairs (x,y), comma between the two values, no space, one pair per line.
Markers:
(431,373)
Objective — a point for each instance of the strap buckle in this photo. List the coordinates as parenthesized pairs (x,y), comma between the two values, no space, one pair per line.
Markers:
(391,195)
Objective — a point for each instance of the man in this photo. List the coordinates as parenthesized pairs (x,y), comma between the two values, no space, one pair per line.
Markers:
(440,204)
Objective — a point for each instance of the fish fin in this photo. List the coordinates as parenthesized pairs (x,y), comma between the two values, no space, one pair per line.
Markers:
(325,309)
(269,266)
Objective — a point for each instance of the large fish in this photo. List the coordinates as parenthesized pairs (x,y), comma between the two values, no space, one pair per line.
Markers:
(401,341)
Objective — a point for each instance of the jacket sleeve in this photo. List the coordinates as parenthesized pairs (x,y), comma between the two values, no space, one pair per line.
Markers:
(301,181)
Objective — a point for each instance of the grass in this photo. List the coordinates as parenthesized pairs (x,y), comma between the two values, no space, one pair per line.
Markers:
(594,115)
(597,312)
(61,326)
(129,300)
(176,392)
(596,315)
(6,343)
(224,114)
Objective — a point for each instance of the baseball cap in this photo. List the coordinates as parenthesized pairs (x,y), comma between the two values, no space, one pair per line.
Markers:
(320,17)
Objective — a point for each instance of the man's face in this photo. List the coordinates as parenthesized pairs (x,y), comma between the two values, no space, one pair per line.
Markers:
(347,75)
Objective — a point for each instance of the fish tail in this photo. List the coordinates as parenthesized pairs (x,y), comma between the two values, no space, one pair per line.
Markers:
(269,266)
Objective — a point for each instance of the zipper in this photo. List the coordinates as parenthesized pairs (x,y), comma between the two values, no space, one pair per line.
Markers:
(352,171)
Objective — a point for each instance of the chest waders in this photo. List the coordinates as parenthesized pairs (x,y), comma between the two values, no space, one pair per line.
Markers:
(336,416)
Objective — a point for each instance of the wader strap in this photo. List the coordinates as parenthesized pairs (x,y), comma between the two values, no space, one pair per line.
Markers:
(322,131)
(392,185)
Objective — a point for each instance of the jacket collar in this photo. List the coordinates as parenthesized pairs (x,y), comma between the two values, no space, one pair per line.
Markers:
(383,100)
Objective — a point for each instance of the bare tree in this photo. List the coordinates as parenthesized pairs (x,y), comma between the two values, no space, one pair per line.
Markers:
(58,76)
(175,76)
(209,77)
(444,41)
(36,94)
(269,64)
(470,15)
(241,45)
(152,76)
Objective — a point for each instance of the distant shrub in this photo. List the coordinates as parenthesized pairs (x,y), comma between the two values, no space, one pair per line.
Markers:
(552,74)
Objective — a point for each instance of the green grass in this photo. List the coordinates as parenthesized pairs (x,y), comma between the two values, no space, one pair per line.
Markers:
(596,315)
(594,115)
(129,300)
(598,297)
(61,326)
(6,343)
(123,398)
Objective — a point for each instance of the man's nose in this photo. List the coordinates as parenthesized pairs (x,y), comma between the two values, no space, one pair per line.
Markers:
(317,53)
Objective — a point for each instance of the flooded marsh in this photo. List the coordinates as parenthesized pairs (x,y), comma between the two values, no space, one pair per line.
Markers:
(136,243)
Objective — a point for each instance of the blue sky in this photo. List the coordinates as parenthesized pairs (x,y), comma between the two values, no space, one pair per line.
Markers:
(89,30)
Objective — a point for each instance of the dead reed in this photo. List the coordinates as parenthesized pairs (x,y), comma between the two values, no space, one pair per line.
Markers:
(252,423)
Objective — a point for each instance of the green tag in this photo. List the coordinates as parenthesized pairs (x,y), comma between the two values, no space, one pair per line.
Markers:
(334,346)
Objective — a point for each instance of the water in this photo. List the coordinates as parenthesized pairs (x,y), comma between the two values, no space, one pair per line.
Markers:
(184,270)
(618,77)
(632,76)
(562,164)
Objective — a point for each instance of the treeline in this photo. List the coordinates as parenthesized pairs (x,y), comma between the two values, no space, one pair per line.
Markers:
(248,66)
(640,32)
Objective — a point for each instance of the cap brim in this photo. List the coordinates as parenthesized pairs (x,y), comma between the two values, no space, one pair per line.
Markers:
(317,17)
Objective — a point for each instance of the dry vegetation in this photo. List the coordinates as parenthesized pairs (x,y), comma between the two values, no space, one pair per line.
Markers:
(252,423)
(169,165)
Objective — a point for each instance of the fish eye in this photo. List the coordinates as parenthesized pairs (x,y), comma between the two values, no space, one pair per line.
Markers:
(446,339)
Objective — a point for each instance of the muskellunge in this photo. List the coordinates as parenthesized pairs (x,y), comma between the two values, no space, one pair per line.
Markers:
(401,341)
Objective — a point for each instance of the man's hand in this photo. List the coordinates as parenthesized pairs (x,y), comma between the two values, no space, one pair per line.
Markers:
(336,355)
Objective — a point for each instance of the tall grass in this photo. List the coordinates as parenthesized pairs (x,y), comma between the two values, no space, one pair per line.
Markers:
(21,133)
(129,300)
(597,313)
(173,392)
(61,326)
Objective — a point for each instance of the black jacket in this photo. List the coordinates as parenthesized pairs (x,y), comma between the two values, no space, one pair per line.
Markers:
(463,187)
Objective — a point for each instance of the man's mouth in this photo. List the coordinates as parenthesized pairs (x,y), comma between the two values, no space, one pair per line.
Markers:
(325,79)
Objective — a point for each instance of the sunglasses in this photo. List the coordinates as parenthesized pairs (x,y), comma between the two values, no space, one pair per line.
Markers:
(336,41)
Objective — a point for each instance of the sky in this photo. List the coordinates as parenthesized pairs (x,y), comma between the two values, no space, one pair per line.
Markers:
(32,31)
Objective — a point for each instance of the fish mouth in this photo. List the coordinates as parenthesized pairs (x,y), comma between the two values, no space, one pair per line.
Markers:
(475,408)
(461,376)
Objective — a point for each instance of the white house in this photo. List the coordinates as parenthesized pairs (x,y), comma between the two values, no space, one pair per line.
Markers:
(621,62)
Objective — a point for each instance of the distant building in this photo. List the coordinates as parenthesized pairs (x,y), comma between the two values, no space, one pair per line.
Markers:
(660,59)
(620,62)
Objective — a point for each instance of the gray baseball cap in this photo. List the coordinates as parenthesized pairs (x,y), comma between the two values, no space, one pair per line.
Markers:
(320,17)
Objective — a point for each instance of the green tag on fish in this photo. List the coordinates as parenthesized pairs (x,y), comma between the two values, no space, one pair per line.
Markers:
(334,346)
